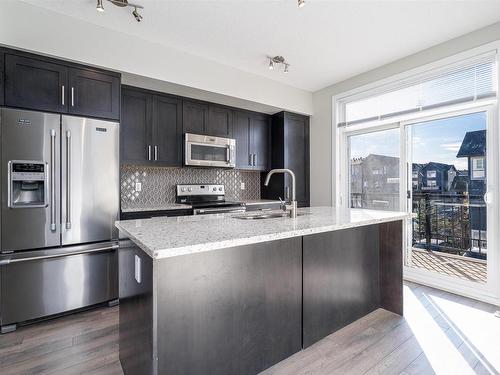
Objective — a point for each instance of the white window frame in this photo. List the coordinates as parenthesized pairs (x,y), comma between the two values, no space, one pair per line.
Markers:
(431,174)
(340,195)
(431,183)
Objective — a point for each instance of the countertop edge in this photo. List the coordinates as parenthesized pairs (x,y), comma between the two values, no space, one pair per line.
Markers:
(156,254)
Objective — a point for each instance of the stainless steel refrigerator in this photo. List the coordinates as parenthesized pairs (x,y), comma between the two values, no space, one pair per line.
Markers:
(59,202)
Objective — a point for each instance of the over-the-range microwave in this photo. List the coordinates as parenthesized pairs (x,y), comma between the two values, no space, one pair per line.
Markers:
(209,151)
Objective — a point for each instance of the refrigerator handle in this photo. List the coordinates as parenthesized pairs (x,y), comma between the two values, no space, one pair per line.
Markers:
(52,180)
(68,179)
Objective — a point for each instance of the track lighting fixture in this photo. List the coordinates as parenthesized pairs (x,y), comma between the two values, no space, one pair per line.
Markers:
(301,3)
(99,7)
(122,4)
(278,60)
(136,14)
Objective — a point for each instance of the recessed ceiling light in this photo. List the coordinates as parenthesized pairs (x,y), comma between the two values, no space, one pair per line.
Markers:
(271,64)
(301,3)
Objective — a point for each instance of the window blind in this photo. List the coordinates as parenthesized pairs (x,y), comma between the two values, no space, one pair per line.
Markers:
(468,83)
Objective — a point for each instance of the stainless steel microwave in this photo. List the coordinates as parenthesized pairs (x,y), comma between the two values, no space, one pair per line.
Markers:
(208,151)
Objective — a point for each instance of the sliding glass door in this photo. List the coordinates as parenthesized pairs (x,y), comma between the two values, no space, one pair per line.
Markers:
(447,161)
(442,170)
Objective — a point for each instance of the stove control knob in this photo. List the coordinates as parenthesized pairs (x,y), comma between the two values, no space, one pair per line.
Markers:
(214,188)
(190,189)
(183,189)
(220,188)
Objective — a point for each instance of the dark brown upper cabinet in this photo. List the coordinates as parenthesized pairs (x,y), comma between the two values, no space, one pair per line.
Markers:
(94,94)
(35,84)
(194,117)
(135,127)
(1,78)
(167,130)
(151,128)
(45,84)
(220,121)
(290,149)
(207,119)
(251,132)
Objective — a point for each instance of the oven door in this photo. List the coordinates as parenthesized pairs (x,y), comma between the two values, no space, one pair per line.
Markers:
(218,210)
(209,151)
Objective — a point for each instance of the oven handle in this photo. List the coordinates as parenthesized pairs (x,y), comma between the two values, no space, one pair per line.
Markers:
(201,211)
(4,262)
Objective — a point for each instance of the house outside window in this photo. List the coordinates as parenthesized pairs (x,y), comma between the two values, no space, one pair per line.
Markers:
(478,168)
(431,174)
(414,174)
(431,183)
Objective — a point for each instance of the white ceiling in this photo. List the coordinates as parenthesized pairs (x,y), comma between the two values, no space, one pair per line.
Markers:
(325,42)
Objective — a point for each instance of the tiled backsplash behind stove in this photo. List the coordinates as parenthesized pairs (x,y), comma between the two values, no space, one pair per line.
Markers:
(158,183)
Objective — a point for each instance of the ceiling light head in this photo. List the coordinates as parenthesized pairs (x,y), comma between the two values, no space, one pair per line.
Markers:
(278,60)
(99,6)
(301,3)
(136,15)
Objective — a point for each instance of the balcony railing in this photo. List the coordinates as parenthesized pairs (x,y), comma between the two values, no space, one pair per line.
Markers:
(450,223)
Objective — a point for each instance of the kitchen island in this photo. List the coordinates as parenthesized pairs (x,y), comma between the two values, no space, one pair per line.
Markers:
(221,294)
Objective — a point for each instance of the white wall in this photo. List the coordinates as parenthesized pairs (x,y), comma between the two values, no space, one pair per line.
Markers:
(322,147)
(40,30)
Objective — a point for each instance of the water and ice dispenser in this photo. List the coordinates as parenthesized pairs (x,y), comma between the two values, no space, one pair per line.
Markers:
(28,184)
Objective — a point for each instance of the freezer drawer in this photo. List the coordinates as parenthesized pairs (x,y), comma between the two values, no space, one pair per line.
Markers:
(41,283)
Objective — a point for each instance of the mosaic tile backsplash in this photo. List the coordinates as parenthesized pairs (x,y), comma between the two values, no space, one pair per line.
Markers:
(158,183)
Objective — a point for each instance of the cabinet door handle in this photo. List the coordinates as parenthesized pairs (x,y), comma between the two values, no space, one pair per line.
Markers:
(254,160)
(72,96)
(156,153)
(62,95)
(149,152)
(250,159)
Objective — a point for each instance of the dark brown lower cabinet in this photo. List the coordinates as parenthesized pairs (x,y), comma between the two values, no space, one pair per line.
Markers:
(349,273)
(243,309)
(229,311)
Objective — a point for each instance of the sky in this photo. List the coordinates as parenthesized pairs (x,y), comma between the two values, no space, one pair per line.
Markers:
(437,141)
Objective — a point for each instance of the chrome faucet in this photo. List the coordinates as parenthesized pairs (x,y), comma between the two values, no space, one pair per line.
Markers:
(293,201)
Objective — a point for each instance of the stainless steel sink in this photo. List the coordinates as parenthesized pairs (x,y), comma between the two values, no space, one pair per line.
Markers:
(268,215)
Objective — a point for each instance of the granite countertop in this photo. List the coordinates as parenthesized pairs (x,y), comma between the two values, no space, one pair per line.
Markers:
(165,237)
(158,207)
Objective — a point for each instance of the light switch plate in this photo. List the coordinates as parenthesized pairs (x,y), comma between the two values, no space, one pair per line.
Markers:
(138,186)
(242,186)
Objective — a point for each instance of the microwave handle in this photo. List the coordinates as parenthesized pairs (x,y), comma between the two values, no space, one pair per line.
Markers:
(228,154)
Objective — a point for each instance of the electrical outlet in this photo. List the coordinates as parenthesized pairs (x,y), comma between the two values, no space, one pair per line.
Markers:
(138,186)
(242,186)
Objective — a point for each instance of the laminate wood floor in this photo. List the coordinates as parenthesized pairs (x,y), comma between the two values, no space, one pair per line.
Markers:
(441,333)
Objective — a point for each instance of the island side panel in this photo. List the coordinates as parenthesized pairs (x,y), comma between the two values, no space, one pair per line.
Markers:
(229,311)
(340,279)
(391,266)
(136,310)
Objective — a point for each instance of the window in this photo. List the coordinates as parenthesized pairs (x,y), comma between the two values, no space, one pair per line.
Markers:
(467,81)
(478,168)
(414,174)
(431,174)
(415,184)
(431,183)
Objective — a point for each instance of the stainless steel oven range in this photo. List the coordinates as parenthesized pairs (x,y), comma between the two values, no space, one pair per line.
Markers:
(207,199)
(59,201)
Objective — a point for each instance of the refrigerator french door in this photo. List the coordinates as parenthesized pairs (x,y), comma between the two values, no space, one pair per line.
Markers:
(60,200)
